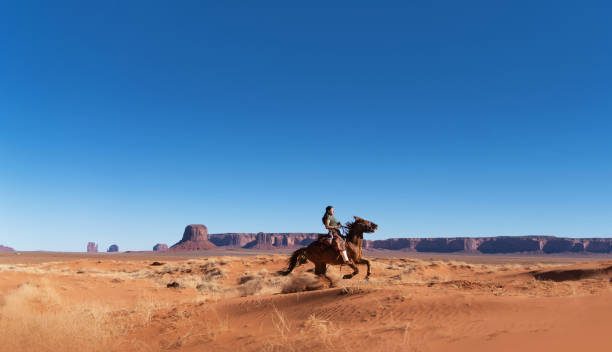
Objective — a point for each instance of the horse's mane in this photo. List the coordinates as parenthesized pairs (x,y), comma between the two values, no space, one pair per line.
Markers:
(350,228)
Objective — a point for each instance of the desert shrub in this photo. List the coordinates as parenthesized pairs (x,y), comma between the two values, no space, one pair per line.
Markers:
(323,329)
(260,282)
(212,271)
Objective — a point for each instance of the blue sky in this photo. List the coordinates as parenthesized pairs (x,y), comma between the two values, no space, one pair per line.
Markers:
(121,122)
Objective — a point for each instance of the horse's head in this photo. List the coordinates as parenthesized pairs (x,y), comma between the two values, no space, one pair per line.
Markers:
(361,225)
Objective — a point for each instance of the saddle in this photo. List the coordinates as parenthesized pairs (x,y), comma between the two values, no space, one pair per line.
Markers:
(337,242)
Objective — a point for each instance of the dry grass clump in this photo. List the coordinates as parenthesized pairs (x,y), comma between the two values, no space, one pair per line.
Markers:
(315,334)
(251,284)
(358,289)
(207,280)
(35,318)
(46,268)
(208,329)
(283,327)
(225,260)
(325,330)
(260,282)
(212,272)
(406,267)
(204,277)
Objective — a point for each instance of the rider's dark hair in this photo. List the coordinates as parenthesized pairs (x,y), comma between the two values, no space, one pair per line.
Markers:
(327,209)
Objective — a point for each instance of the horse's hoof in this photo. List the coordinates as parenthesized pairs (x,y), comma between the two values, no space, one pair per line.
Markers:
(367,278)
(347,276)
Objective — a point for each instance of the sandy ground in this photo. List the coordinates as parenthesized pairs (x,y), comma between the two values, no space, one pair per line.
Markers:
(235,301)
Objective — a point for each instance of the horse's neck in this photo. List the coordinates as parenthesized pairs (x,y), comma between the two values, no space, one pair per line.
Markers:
(355,239)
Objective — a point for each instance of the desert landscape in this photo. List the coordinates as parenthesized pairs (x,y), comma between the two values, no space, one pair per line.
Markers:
(283,176)
(234,300)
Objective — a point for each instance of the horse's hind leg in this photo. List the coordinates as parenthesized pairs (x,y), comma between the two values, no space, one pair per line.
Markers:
(355,271)
(321,270)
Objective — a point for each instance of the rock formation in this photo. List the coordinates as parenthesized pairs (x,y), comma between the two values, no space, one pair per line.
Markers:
(195,238)
(263,240)
(113,248)
(497,245)
(599,246)
(6,249)
(509,245)
(92,247)
(160,247)
(487,245)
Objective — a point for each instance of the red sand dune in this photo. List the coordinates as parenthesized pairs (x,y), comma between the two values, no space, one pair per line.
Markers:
(121,302)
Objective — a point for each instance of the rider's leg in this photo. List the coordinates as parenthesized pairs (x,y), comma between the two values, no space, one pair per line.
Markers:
(345,256)
(342,251)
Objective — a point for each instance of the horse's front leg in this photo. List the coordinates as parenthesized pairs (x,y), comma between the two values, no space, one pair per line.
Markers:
(367,263)
(355,271)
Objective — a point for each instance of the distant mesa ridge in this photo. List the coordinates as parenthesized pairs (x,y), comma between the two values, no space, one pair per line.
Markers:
(485,245)
(262,240)
(196,237)
(497,245)
(6,249)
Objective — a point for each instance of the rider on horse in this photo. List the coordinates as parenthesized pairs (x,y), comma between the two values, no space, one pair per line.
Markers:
(333,237)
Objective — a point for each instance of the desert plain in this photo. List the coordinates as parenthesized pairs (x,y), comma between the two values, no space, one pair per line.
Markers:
(224,300)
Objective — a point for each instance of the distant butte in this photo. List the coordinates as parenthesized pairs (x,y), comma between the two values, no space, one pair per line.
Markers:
(160,247)
(92,247)
(113,248)
(195,238)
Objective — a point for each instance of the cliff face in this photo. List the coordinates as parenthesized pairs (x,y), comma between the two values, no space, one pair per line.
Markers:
(486,245)
(439,245)
(497,245)
(263,240)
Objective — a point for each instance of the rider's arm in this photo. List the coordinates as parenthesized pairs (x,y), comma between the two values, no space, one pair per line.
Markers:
(330,227)
(327,224)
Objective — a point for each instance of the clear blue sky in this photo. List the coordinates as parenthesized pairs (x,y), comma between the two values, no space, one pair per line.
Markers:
(123,121)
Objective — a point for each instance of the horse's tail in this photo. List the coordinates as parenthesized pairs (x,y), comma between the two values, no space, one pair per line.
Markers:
(297,258)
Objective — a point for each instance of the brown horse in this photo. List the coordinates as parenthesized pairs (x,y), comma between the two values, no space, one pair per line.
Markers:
(322,254)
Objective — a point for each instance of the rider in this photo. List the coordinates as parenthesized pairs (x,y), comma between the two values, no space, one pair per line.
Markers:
(333,237)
